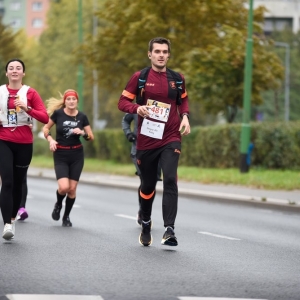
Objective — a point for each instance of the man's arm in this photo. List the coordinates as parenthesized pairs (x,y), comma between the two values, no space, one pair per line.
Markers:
(128,95)
(184,112)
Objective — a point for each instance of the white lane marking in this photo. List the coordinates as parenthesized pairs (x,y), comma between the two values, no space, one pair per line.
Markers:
(51,297)
(209,298)
(219,236)
(125,216)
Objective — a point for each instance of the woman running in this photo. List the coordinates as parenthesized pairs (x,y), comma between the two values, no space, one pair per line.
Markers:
(19,104)
(67,149)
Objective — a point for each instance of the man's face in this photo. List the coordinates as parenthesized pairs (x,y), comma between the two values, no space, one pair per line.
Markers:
(159,56)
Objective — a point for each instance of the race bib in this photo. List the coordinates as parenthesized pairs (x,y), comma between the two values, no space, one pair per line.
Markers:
(12,116)
(158,110)
(152,129)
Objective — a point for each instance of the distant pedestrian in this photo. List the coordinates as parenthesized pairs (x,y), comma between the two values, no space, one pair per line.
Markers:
(19,104)
(68,154)
(160,128)
(131,135)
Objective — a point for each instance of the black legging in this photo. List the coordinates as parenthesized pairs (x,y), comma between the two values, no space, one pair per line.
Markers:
(14,162)
(168,156)
(24,192)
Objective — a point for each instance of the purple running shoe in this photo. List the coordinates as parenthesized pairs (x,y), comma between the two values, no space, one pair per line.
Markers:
(22,214)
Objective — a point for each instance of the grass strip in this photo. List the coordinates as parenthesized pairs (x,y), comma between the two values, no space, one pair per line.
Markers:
(256,177)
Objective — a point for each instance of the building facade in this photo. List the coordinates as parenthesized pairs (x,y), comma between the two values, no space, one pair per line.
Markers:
(280,14)
(27,14)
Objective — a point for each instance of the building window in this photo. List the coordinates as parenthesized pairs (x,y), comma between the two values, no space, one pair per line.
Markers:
(37,6)
(279,24)
(15,23)
(16,5)
(37,23)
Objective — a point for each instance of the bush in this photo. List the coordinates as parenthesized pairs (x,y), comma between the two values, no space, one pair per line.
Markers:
(276,146)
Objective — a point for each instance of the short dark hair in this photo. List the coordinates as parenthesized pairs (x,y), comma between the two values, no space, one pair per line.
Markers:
(15,59)
(159,40)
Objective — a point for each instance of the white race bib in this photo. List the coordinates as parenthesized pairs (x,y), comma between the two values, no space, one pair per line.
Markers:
(152,129)
(12,116)
(158,110)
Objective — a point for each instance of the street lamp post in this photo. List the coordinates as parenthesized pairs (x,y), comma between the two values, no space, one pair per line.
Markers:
(287,80)
(95,75)
(80,66)
(245,132)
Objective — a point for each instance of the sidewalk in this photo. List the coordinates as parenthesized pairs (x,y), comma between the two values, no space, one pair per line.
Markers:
(279,198)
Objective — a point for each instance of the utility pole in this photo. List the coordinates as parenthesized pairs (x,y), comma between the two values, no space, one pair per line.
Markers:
(95,75)
(80,66)
(287,80)
(246,131)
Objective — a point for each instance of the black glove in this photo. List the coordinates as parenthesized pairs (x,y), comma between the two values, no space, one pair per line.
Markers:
(131,137)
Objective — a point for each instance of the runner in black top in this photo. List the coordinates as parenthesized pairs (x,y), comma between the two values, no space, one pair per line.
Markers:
(161,123)
(67,149)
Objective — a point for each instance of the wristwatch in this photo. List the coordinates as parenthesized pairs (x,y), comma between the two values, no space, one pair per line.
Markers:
(29,108)
(185,114)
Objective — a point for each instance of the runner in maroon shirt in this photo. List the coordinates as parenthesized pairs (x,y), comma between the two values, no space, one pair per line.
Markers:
(19,104)
(162,122)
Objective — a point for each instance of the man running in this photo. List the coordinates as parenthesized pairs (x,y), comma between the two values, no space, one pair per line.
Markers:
(162,106)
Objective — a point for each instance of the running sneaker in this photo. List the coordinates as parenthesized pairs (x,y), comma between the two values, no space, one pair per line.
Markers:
(66,222)
(8,232)
(22,214)
(169,238)
(56,212)
(145,238)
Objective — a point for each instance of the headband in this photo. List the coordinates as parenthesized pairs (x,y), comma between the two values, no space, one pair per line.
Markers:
(71,93)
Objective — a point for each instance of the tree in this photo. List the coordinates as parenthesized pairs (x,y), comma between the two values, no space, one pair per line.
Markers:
(268,108)
(208,46)
(9,48)
(54,67)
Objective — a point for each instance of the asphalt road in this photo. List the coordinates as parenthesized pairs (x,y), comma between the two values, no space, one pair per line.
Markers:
(225,250)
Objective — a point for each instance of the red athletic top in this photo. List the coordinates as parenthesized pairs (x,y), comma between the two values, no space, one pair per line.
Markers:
(156,88)
(23,134)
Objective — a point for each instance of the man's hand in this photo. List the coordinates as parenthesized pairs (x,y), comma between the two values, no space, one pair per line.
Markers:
(131,137)
(185,128)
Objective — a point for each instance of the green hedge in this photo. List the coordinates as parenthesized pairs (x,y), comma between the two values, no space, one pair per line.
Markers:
(276,145)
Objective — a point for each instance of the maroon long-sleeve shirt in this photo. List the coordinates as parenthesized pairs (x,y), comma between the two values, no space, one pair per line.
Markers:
(157,88)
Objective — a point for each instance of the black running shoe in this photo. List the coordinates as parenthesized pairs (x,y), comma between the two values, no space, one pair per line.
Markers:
(145,236)
(66,222)
(56,212)
(169,238)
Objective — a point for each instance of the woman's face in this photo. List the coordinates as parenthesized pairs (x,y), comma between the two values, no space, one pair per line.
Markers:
(15,72)
(71,102)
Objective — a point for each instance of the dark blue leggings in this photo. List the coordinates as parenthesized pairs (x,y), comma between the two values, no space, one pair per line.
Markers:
(14,162)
